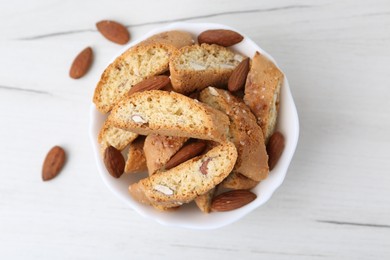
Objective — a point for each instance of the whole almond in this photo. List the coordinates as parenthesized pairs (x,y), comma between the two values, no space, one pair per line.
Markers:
(232,200)
(221,37)
(53,163)
(275,147)
(114,161)
(81,63)
(153,83)
(113,31)
(185,153)
(238,77)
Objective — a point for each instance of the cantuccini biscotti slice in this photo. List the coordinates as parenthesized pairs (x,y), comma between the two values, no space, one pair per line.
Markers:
(237,181)
(196,67)
(136,161)
(188,180)
(176,39)
(148,58)
(133,66)
(114,136)
(169,114)
(262,92)
(247,136)
(158,149)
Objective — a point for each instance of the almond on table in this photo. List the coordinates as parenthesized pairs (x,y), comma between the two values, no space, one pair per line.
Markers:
(53,163)
(113,31)
(81,63)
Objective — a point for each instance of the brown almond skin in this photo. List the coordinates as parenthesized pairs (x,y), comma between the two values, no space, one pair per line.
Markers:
(81,63)
(238,78)
(113,31)
(185,153)
(152,83)
(275,147)
(203,168)
(221,37)
(53,163)
(114,162)
(232,200)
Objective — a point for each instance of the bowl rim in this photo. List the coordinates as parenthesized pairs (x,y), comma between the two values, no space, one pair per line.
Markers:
(290,147)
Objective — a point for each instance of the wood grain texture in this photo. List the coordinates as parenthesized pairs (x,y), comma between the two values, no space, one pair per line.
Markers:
(335,201)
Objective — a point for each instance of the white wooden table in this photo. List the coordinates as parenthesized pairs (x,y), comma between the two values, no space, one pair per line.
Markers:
(335,201)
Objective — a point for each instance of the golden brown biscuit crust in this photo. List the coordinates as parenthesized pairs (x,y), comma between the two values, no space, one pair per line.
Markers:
(196,67)
(262,91)
(247,136)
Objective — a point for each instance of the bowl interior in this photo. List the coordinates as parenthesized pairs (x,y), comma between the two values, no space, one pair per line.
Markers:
(188,215)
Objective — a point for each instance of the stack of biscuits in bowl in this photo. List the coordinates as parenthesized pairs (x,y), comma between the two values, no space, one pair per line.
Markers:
(196,115)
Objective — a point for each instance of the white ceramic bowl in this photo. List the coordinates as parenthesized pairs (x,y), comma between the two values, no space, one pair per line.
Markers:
(188,216)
